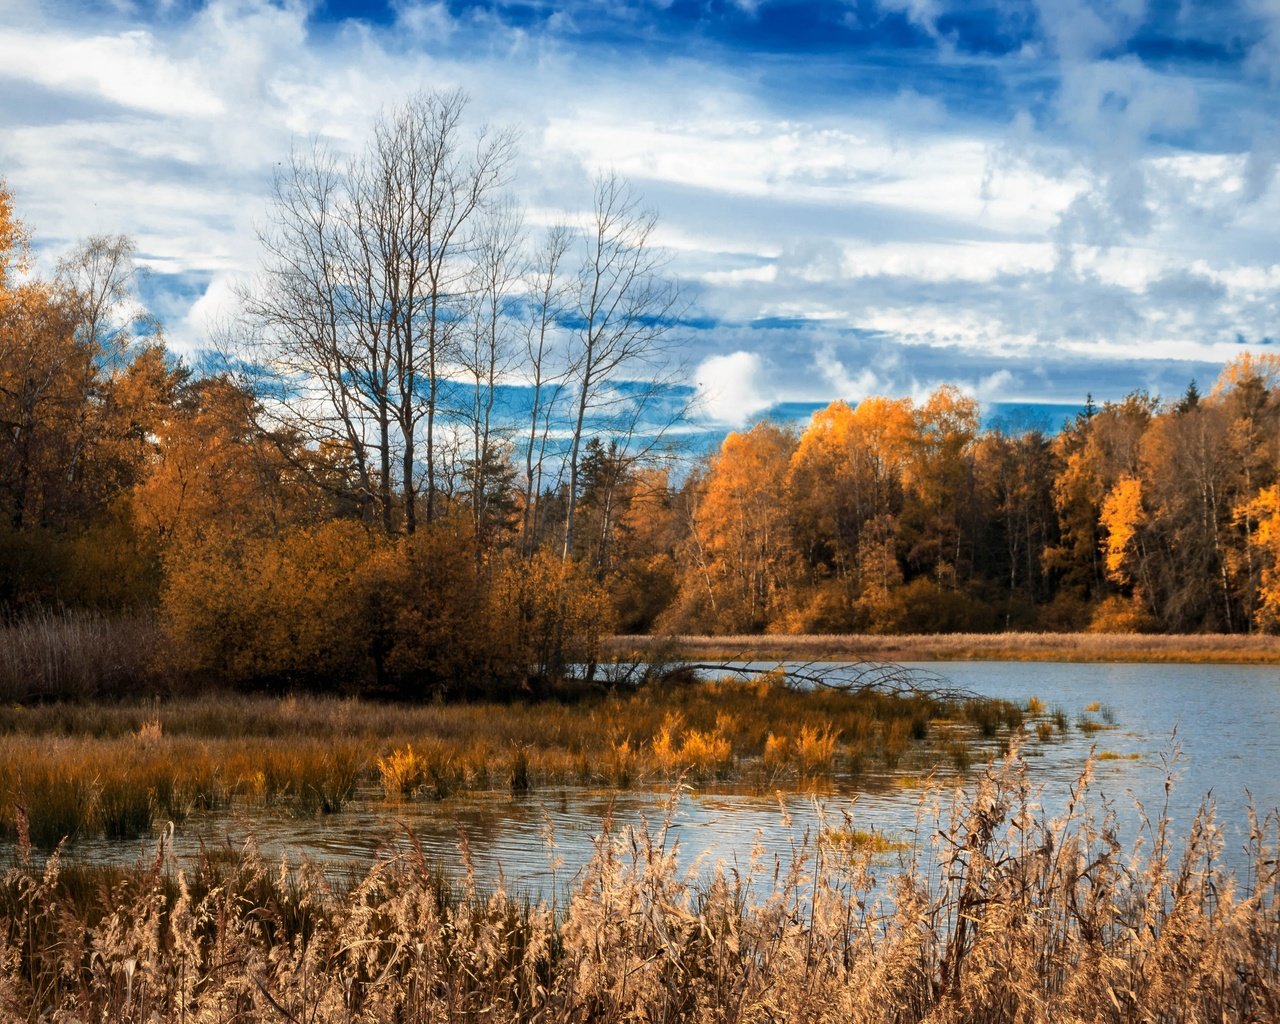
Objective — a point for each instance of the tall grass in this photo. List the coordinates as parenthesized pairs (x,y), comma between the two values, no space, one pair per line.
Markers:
(996,914)
(69,788)
(77,656)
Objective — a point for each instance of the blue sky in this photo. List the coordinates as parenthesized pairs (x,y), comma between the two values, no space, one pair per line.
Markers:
(1032,199)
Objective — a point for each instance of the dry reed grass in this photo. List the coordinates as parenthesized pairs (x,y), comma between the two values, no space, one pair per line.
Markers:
(78,656)
(996,915)
(1085,647)
(68,787)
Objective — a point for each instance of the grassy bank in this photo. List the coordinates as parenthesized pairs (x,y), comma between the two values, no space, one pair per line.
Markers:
(86,768)
(1197,648)
(994,914)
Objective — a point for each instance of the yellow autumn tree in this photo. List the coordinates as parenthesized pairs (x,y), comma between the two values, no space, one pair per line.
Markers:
(847,470)
(211,469)
(1246,368)
(1102,446)
(879,601)
(1264,512)
(1122,516)
(940,481)
(1122,520)
(649,530)
(14,241)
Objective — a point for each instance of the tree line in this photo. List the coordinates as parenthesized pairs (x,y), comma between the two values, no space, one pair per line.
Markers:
(431,456)
(895,516)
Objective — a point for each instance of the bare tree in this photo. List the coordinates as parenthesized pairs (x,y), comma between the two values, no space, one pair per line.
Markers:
(546,296)
(365,288)
(329,365)
(490,353)
(100,278)
(450,185)
(624,310)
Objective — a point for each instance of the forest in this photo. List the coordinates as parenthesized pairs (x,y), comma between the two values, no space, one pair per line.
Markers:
(435,454)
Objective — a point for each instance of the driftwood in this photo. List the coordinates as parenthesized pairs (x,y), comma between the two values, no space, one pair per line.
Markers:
(884,677)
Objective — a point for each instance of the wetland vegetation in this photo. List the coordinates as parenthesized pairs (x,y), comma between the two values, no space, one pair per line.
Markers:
(78,769)
(994,913)
(337,563)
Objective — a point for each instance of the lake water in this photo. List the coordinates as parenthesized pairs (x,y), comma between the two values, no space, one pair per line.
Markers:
(1216,727)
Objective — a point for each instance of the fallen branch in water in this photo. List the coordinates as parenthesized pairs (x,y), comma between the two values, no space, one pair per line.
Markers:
(860,677)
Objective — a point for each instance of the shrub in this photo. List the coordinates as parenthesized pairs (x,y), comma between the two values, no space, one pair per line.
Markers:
(1121,615)
(270,610)
(426,614)
(926,606)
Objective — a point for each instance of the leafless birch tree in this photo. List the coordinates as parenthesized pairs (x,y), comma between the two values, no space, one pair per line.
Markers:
(624,309)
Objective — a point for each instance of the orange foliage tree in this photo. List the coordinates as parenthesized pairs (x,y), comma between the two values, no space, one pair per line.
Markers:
(940,480)
(847,470)
(740,550)
(1264,511)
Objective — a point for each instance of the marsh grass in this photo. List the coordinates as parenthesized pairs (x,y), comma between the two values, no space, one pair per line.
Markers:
(995,913)
(117,769)
(858,842)
(71,787)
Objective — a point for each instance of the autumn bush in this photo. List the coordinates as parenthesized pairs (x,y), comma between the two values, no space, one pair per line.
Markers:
(552,614)
(447,619)
(427,619)
(1118,614)
(338,607)
(270,610)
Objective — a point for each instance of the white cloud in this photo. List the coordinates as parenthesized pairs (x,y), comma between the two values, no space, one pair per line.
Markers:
(123,69)
(852,388)
(732,388)
(924,13)
(216,307)
(993,386)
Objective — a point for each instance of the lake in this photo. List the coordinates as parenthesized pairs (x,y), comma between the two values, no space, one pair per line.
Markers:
(1216,727)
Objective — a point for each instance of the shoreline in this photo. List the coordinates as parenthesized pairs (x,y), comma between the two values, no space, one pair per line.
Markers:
(1189,649)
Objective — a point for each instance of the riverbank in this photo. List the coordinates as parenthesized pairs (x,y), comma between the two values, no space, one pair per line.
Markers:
(1212,648)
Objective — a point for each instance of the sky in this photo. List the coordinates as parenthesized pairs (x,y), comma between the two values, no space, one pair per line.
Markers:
(1032,199)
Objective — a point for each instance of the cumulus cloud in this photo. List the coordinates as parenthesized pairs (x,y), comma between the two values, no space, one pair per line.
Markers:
(852,387)
(731,389)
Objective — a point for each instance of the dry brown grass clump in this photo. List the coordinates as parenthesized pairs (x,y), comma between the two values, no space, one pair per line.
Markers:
(77,656)
(995,915)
